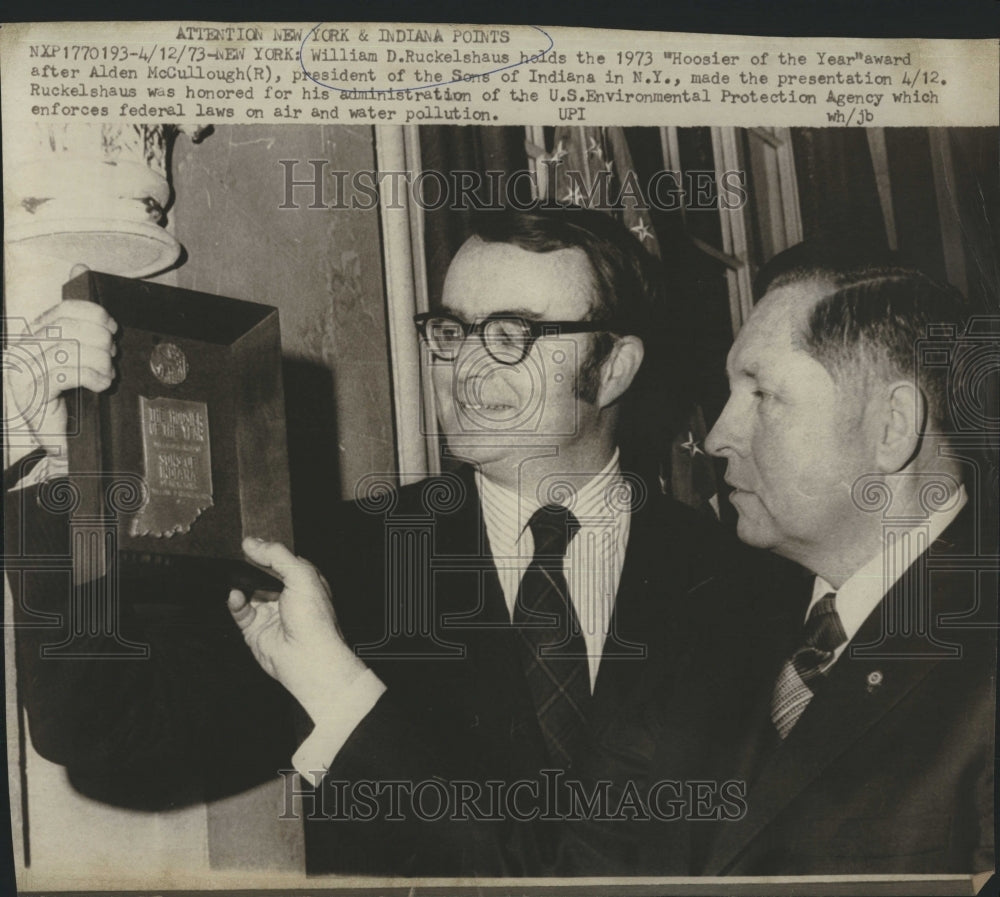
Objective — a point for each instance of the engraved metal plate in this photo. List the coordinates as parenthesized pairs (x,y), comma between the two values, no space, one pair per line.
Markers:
(177,460)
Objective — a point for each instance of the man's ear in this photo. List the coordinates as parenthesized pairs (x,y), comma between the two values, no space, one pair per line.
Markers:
(619,369)
(901,429)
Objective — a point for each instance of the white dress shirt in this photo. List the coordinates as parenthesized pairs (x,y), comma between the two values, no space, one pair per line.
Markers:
(594,558)
(592,566)
(862,592)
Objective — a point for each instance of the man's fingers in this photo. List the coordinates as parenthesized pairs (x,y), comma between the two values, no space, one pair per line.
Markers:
(243,611)
(84,333)
(294,572)
(94,381)
(82,366)
(71,378)
(71,311)
(98,360)
(67,357)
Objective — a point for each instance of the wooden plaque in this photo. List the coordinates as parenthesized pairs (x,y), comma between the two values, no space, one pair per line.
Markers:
(186,453)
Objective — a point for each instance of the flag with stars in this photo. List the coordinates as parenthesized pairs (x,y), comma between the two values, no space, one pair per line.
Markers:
(592,167)
(692,476)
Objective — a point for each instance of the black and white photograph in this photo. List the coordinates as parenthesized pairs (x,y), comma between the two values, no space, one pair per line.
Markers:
(498,505)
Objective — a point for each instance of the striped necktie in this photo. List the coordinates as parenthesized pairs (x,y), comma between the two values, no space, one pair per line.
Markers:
(795,685)
(554,654)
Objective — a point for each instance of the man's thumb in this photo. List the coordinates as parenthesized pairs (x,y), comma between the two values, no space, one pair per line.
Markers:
(243,611)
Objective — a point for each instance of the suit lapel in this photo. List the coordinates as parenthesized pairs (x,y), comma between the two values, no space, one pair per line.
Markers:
(464,581)
(640,626)
(860,691)
(671,571)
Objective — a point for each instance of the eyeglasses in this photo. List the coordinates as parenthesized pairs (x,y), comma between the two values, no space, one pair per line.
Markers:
(507,338)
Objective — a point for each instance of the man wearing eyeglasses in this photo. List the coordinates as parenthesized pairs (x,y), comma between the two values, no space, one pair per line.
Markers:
(553,579)
(523,604)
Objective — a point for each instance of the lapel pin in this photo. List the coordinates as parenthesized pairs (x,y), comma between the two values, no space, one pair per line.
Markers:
(875,678)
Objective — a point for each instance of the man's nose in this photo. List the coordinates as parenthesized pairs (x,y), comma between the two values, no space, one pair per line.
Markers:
(473,360)
(473,366)
(722,436)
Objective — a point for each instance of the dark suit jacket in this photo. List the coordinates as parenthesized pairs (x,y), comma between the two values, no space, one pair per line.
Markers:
(890,767)
(460,674)
(889,770)
(416,593)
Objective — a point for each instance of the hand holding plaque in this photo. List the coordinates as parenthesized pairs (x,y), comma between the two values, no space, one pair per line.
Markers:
(193,426)
(296,638)
(69,346)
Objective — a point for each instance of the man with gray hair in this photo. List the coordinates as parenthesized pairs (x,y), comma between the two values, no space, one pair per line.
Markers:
(862,719)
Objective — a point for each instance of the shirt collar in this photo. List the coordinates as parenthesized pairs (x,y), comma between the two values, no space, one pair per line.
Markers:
(506,512)
(863,590)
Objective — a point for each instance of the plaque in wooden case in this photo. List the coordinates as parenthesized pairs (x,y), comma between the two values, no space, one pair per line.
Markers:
(186,453)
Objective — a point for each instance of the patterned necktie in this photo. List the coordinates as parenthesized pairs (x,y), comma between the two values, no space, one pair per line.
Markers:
(793,691)
(554,654)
